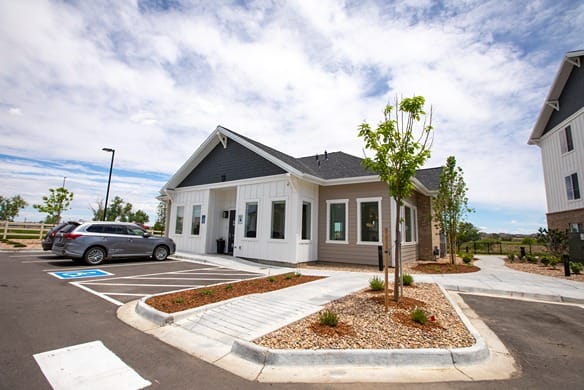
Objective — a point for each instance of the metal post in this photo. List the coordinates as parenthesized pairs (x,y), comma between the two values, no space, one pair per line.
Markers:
(113,152)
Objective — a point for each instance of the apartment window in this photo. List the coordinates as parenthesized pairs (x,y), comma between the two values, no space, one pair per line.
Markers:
(278,219)
(572,187)
(566,140)
(196,220)
(306,221)
(409,225)
(180,216)
(337,220)
(369,220)
(251,219)
(576,228)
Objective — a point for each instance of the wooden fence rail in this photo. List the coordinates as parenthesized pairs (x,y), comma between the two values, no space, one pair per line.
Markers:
(32,230)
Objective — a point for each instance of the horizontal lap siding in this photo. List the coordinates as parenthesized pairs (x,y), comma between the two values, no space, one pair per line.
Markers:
(351,252)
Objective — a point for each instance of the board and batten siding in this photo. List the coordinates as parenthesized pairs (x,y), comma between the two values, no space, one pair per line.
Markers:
(186,242)
(351,252)
(556,166)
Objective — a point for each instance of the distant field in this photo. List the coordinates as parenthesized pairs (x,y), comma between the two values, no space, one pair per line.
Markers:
(502,248)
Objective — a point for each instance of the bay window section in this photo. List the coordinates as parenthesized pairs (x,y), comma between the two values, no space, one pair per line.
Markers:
(337,220)
(251,219)
(369,220)
(278,220)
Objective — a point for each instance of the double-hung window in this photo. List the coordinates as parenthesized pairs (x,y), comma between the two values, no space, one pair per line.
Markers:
(369,220)
(196,220)
(337,221)
(180,216)
(572,187)
(566,140)
(409,225)
(306,221)
(251,220)
(278,220)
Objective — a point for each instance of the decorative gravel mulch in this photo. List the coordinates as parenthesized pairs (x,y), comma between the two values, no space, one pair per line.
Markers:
(188,299)
(540,269)
(365,324)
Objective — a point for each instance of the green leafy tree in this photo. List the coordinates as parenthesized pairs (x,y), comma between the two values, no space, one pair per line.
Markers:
(399,151)
(58,201)
(119,210)
(451,204)
(160,216)
(467,232)
(555,240)
(10,207)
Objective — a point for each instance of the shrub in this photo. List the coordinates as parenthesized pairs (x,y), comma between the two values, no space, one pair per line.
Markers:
(407,279)
(576,267)
(207,292)
(298,274)
(420,316)
(178,300)
(554,261)
(288,276)
(511,257)
(545,261)
(376,284)
(229,287)
(532,259)
(467,258)
(328,318)
(271,279)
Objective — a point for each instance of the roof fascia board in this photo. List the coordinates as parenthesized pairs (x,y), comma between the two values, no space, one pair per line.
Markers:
(422,188)
(234,183)
(556,89)
(562,124)
(261,152)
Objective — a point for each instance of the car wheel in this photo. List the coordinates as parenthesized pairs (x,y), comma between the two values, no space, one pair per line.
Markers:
(94,255)
(160,253)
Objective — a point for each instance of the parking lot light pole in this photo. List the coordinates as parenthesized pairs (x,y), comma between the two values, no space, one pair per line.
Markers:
(109,180)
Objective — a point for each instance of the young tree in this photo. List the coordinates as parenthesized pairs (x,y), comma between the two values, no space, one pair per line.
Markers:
(399,151)
(10,207)
(58,200)
(451,204)
(467,232)
(119,210)
(160,216)
(555,240)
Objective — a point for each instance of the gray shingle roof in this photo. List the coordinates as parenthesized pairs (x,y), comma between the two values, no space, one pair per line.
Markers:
(338,165)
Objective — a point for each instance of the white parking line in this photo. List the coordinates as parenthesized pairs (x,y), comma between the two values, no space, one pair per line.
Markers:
(151,278)
(96,293)
(88,366)
(139,285)
(115,265)
(132,295)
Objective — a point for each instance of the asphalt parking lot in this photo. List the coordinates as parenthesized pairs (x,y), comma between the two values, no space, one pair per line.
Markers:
(122,281)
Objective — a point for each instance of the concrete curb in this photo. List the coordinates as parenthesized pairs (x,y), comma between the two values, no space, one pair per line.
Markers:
(423,357)
(513,294)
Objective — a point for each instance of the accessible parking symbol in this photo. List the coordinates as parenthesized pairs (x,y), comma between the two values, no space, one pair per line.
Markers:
(79,274)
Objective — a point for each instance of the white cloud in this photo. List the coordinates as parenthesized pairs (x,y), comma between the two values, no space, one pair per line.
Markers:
(299,76)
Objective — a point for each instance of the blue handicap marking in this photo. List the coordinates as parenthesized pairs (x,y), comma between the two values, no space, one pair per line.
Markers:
(78,274)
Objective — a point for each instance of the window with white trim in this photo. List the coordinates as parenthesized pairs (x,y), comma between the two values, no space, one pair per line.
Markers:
(278,220)
(180,217)
(251,220)
(337,220)
(196,220)
(572,187)
(369,220)
(306,221)
(409,225)
(566,140)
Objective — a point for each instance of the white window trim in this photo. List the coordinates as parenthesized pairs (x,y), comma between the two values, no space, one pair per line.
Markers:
(285,239)
(311,203)
(257,237)
(403,224)
(175,218)
(380,222)
(200,218)
(328,221)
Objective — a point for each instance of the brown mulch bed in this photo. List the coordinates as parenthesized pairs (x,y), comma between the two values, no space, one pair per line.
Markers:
(444,268)
(540,269)
(183,300)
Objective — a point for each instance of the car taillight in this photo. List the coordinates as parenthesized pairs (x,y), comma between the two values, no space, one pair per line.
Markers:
(71,236)
(53,234)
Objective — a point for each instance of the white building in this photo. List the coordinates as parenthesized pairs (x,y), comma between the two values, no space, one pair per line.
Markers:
(559,132)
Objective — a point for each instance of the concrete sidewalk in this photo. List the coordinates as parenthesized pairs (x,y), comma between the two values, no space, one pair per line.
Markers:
(222,333)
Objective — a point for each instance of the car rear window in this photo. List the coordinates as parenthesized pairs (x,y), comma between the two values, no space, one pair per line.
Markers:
(95,229)
(68,228)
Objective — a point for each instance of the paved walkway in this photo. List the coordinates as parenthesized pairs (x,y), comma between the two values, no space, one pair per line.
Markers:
(221,333)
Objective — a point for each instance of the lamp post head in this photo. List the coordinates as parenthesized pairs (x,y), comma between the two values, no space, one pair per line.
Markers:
(108,150)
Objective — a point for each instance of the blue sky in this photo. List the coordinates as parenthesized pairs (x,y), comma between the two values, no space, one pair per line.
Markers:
(152,79)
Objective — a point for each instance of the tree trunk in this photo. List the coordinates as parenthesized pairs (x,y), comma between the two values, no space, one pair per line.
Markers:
(396,282)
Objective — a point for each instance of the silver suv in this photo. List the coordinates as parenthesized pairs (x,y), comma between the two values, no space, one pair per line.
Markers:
(95,242)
